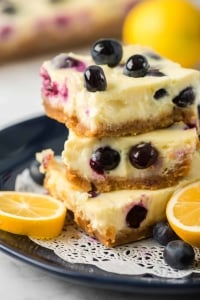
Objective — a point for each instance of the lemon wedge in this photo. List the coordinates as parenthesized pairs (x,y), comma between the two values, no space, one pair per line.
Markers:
(183,213)
(39,216)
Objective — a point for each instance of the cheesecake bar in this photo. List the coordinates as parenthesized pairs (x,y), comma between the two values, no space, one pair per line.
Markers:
(115,217)
(134,91)
(30,27)
(151,160)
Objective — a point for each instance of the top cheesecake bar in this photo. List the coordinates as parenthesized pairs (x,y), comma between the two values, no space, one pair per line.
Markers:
(119,90)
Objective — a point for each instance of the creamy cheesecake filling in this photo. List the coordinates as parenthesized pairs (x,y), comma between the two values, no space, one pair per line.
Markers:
(111,216)
(106,159)
(125,97)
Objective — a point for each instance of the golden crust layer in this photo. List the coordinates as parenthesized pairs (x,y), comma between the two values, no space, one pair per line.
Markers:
(186,115)
(112,238)
(170,178)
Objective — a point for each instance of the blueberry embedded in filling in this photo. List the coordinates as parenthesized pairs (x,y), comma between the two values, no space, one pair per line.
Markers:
(185,98)
(104,159)
(153,55)
(63,61)
(136,66)
(160,94)
(143,155)
(94,79)
(136,215)
(107,52)
(155,73)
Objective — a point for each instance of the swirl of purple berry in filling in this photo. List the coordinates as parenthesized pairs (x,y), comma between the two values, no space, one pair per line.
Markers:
(104,159)
(64,61)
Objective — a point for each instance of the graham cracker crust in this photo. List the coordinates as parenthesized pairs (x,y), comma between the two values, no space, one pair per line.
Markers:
(169,178)
(187,115)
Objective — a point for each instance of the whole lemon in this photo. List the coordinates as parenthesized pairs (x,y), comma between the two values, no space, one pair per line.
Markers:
(170,27)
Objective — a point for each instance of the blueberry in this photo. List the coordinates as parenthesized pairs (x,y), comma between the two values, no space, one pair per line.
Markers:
(143,155)
(94,79)
(163,233)
(136,66)
(160,94)
(63,61)
(104,159)
(107,52)
(35,173)
(135,216)
(179,254)
(185,98)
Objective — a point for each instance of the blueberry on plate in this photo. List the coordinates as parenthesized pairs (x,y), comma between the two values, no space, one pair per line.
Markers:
(35,173)
(163,233)
(107,52)
(179,254)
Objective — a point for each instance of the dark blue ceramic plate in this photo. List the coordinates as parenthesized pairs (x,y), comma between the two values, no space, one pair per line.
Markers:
(18,145)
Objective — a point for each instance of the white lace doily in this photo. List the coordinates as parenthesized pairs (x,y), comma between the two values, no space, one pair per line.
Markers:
(74,246)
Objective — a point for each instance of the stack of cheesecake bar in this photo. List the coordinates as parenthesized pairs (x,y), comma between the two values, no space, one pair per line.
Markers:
(133,136)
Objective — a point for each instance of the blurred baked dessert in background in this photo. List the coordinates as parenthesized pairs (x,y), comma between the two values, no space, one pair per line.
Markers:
(32,27)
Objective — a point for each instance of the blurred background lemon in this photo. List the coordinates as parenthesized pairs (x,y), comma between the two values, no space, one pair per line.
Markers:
(170,27)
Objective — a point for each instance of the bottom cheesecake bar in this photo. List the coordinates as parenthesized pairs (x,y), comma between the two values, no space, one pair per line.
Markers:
(116,217)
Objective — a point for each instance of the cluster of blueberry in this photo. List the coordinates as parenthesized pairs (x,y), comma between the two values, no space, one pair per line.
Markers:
(141,156)
(177,253)
(109,52)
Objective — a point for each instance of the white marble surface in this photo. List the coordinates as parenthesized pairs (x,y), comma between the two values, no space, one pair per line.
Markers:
(19,100)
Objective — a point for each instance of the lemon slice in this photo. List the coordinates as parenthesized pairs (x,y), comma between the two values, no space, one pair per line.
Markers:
(39,216)
(183,213)
(166,26)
